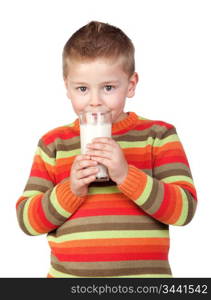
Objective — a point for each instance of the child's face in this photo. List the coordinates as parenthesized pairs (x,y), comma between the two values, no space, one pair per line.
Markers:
(100,82)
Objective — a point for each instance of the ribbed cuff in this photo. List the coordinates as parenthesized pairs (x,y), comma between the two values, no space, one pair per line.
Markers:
(67,199)
(134,183)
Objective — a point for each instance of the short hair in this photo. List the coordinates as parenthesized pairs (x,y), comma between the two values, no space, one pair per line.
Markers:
(99,40)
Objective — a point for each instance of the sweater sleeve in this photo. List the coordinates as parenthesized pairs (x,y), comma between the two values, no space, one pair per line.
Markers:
(169,194)
(44,205)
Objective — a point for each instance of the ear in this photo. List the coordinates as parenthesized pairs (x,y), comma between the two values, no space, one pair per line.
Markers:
(133,80)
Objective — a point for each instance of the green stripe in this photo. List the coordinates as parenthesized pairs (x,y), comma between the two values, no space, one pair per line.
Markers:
(145,195)
(169,139)
(53,272)
(142,118)
(129,144)
(109,234)
(103,190)
(26,219)
(65,154)
(44,157)
(31,193)
(173,179)
(57,206)
(184,212)
(70,124)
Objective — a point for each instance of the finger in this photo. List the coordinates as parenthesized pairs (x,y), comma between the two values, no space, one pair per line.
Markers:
(87,172)
(100,153)
(104,161)
(104,140)
(88,179)
(80,165)
(100,146)
(81,157)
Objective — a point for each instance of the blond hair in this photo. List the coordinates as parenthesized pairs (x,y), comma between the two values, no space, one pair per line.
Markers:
(99,40)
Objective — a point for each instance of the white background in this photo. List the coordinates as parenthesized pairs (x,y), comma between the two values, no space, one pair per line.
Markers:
(173,46)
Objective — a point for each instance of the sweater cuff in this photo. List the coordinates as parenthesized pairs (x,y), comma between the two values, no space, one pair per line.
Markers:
(66,198)
(134,184)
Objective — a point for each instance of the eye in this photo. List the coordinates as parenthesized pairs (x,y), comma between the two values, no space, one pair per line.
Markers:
(82,89)
(108,88)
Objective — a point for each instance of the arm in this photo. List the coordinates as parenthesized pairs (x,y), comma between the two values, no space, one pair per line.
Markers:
(45,205)
(169,195)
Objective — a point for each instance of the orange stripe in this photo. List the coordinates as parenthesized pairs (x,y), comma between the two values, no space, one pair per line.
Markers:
(111,242)
(62,162)
(170,208)
(177,209)
(142,183)
(138,151)
(108,197)
(175,146)
(33,217)
(109,249)
(104,204)
(40,165)
(20,200)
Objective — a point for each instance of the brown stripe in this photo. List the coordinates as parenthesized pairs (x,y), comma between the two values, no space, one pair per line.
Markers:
(20,216)
(169,132)
(51,214)
(112,272)
(36,187)
(140,219)
(142,135)
(40,181)
(155,198)
(121,264)
(176,172)
(68,145)
(170,166)
(60,144)
(111,226)
(45,149)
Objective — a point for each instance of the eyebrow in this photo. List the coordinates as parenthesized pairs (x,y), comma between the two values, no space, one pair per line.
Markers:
(104,82)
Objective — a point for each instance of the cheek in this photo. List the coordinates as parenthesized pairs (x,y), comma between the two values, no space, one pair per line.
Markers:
(78,106)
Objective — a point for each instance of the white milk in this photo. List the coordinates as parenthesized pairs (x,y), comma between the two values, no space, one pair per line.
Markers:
(91,131)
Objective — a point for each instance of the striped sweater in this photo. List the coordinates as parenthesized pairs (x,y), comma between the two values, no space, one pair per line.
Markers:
(115,230)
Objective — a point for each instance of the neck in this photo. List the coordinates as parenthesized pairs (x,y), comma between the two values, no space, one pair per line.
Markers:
(121,117)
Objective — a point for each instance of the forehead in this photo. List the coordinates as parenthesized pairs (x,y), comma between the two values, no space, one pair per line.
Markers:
(100,68)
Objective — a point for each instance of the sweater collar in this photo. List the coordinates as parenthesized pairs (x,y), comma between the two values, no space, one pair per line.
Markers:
(129,122)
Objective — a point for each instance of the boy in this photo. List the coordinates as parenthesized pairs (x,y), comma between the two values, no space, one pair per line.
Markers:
(118,228)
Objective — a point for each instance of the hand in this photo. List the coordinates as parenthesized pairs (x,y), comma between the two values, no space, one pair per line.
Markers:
(106,151)
(83,172)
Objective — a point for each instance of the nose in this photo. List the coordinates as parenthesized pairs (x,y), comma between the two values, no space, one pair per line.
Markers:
(95,99)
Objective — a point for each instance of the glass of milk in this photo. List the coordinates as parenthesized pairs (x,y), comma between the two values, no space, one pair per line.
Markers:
(95,122)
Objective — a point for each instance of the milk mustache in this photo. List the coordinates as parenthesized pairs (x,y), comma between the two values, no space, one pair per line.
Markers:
(95,122)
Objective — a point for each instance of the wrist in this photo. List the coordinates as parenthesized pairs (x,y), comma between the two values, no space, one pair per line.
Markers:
(122,178)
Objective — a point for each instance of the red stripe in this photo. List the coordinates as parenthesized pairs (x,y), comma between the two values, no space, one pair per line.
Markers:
(43,218)
(108,212)
(189,189)
(39,173)
(146,164)
(63,175)
(64,134)
(172,159)
(111,257)
(164,205)
(162,123)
